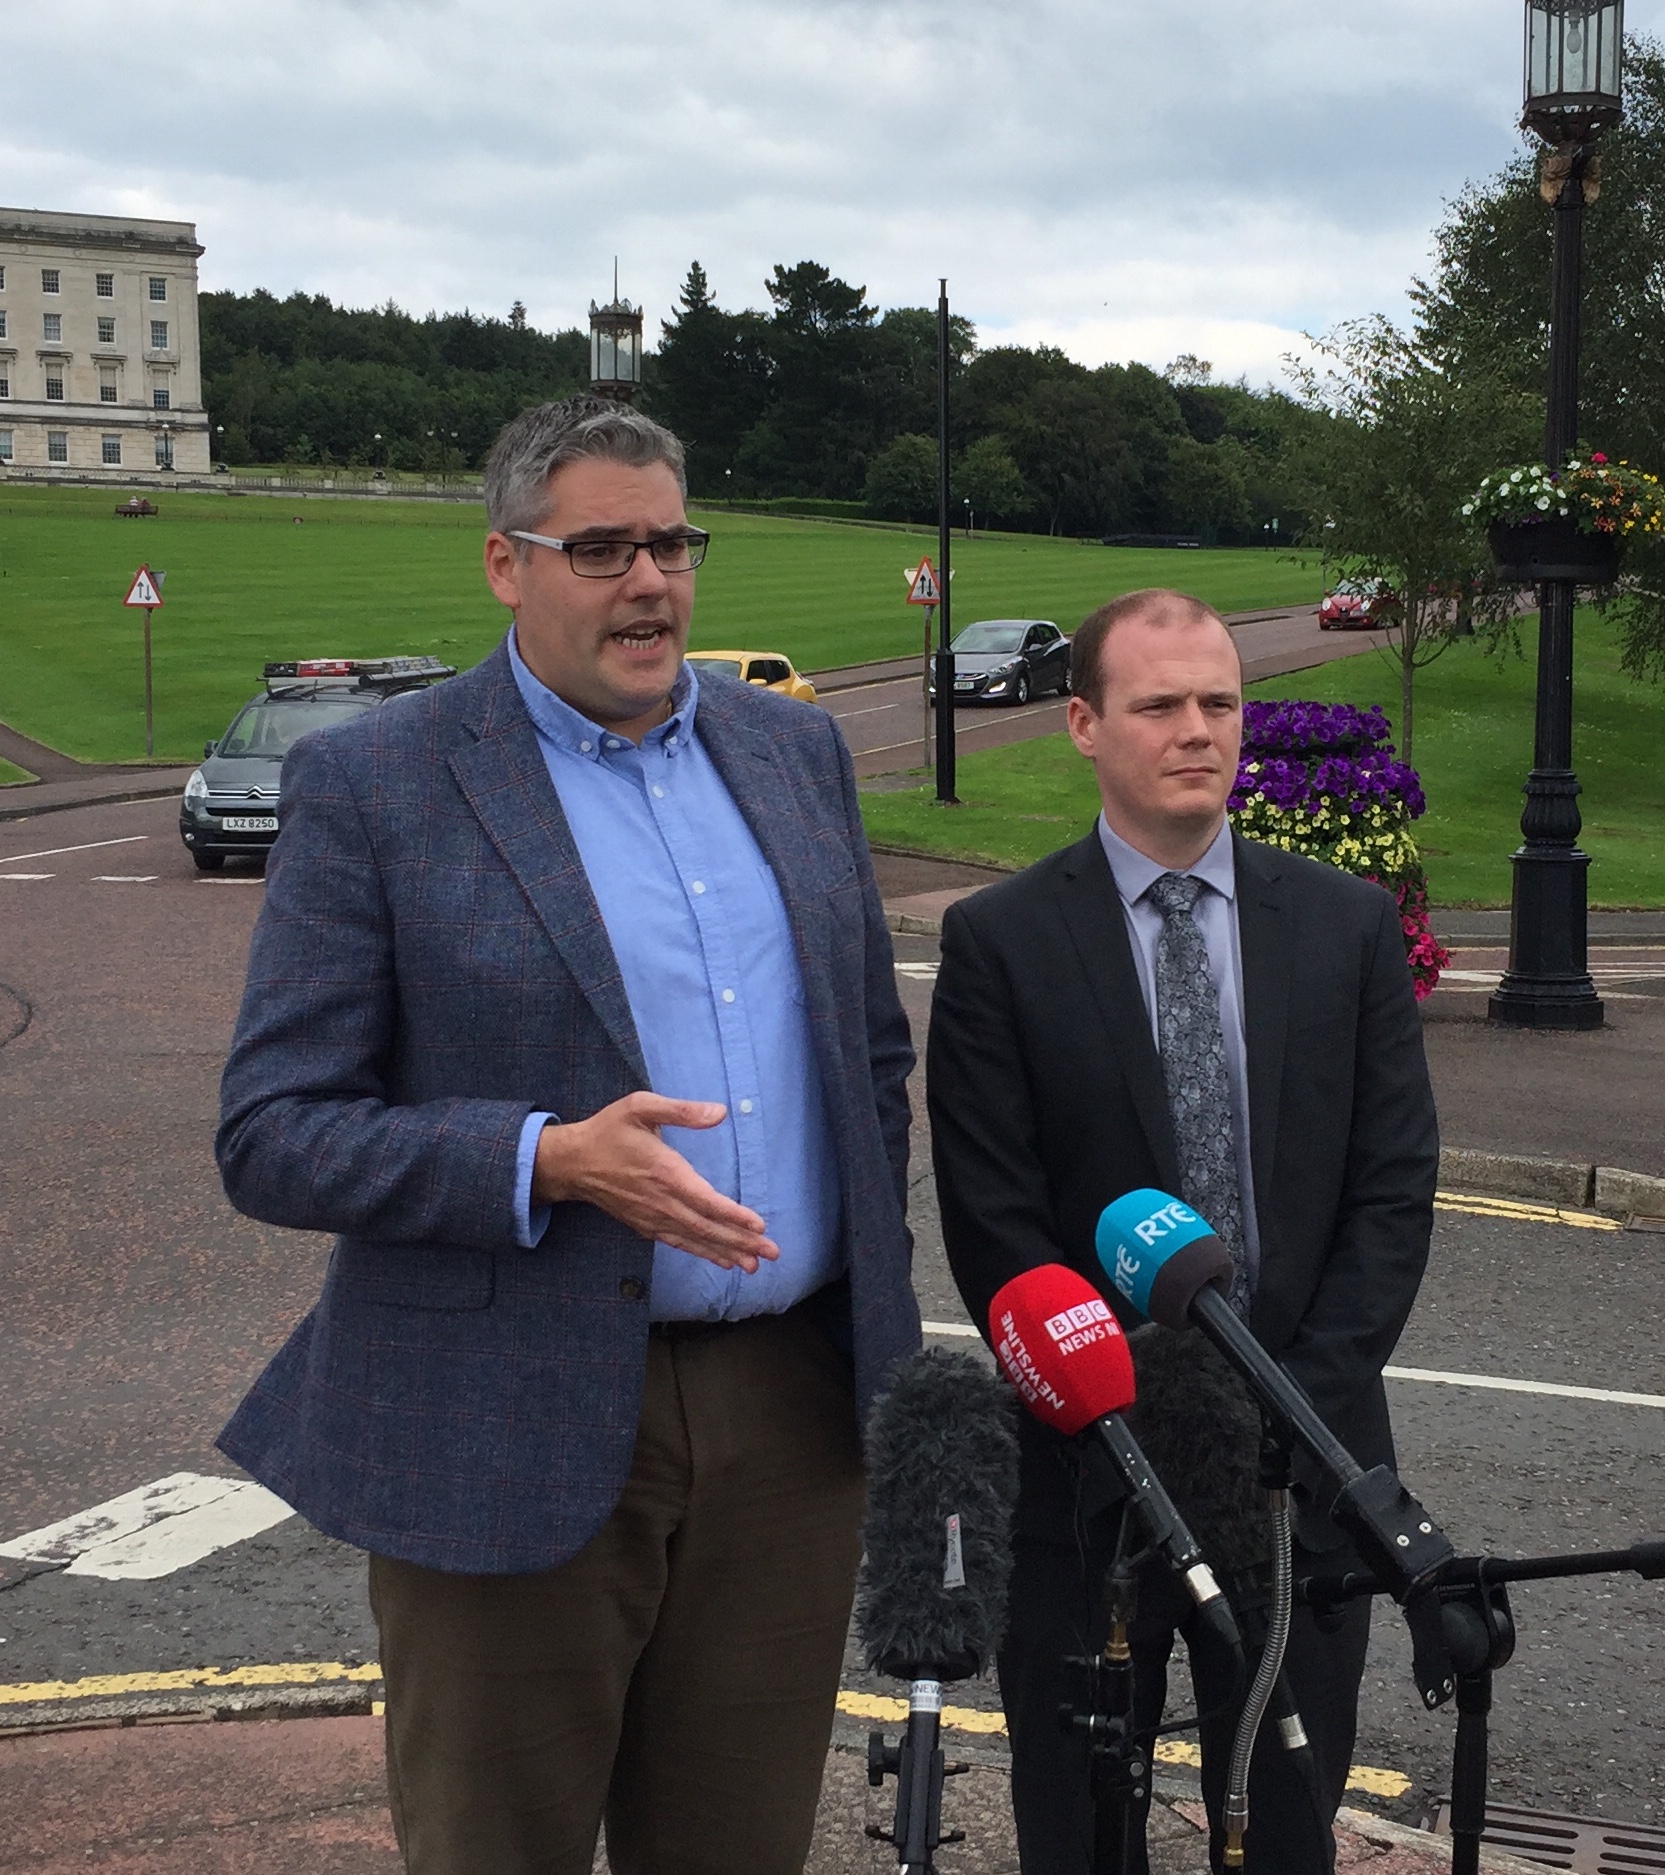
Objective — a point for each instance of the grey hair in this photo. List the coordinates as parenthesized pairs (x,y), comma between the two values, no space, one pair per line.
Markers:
(549,436)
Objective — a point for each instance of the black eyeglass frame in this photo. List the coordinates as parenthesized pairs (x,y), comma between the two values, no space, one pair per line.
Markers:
(695,539)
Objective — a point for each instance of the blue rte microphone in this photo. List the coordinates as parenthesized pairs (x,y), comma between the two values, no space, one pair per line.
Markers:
(1158,1254)
(1165,1261)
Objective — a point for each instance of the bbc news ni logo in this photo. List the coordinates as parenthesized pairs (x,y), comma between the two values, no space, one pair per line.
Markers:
(1062,1327)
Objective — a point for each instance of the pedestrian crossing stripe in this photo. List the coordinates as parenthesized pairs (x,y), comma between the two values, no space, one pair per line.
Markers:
(870,1706)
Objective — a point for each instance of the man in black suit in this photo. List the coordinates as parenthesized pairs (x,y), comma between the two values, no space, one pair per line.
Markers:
(1165,1004)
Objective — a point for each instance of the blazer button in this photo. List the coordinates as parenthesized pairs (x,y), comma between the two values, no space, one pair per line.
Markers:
(632,1290)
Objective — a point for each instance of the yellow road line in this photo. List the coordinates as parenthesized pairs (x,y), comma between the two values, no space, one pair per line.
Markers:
(1477,1205)
(187,1680)
(1363,1777)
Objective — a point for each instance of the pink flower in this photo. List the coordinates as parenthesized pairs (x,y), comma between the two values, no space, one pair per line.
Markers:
(1598,457)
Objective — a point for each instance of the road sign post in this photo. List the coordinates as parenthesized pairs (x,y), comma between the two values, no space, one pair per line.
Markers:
(146,593)
(924,590)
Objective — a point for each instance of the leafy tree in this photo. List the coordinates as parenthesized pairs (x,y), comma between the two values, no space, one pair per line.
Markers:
(1399,446)
(1483,313)
(902,480)
(991,481)
(1205,489)
(711,381)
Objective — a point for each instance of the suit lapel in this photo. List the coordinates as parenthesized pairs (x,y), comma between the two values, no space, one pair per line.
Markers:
(1264,934)
(504,778)
(1092,912)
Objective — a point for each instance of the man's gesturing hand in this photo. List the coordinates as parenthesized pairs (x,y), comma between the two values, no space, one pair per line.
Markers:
(617,1161)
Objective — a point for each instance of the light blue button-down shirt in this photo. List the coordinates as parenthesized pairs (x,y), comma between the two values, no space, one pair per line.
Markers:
(1216,914)
(696,921)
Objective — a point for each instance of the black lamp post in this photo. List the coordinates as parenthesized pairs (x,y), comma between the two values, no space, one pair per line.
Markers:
(1574,71)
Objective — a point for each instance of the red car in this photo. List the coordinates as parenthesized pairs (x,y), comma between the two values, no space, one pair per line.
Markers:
(1358,605)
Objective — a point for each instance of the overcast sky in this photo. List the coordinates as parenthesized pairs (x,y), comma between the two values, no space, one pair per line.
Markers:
(1122,180)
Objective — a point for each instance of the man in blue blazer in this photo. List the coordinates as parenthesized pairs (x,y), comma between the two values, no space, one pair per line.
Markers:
(571,1011)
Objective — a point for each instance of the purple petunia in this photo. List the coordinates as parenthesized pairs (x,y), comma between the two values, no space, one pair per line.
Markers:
(1307,752)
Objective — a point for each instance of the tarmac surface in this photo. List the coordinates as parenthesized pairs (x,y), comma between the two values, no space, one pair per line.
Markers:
(139,1307)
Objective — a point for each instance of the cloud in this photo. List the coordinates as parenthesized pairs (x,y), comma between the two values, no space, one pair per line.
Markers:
(1117,178)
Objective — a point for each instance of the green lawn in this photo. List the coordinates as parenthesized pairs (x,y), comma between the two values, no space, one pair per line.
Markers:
(381,575)
(10,774)
(1473,748)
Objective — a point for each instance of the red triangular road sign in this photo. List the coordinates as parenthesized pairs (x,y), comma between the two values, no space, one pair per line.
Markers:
(144,590)
(925,590)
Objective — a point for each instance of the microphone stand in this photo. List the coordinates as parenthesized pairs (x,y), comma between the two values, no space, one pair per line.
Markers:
(916,1763)
(1462,1632)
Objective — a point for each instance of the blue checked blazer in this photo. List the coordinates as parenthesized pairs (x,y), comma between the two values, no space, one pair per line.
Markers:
(429,968)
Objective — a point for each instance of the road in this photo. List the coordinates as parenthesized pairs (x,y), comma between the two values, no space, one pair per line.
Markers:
(880,707)
(138,1307)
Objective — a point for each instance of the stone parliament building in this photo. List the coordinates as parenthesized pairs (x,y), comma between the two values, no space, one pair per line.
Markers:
(100,366)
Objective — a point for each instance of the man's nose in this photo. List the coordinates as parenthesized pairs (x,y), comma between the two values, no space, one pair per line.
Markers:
(644,579)
(1193,724)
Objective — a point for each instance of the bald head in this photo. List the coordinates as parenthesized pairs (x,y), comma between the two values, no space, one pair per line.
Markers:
(1156,606)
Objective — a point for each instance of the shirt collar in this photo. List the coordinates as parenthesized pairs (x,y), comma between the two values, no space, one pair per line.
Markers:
(558,722)
(1135,873)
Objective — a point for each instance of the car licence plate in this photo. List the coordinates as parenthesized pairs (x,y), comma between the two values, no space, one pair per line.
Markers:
(250,823)
(965,683)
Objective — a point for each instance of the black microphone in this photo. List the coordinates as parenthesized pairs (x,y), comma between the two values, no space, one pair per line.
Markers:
(1167,1262)
(942,1459)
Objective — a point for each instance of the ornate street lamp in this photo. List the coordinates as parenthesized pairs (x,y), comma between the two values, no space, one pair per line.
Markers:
(616,347)
(1574,75)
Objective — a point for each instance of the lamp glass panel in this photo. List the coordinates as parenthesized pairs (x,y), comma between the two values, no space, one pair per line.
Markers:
(1573,50)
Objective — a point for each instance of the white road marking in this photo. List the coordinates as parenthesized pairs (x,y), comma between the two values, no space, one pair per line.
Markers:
(1495,1383)
(873,709)
(156,1529)
(125,878)
(1607,1396)
(258,879)
(51,852)
(28,875)
(921,973)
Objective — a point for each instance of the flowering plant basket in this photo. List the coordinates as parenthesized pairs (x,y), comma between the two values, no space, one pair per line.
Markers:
(1322,779)
(1566,523)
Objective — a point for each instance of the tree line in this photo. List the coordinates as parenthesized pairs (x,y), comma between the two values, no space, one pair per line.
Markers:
(822,396)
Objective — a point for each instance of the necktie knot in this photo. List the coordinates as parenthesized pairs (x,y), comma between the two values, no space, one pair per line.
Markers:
(1174,893)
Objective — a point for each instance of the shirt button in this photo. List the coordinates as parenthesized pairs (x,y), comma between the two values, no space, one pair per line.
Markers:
(670,742)
(615,745)
(658,793)
(745,1106)
(728,996)
(632,1290)
(699,886)
(585,747)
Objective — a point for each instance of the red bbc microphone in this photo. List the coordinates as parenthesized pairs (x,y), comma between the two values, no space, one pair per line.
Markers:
(1060,1345)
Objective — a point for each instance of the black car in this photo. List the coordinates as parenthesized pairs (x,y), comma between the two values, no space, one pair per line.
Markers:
(230,804)
(1009,660)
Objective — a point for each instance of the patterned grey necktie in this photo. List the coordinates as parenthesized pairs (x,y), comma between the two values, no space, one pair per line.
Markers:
(1194,1066)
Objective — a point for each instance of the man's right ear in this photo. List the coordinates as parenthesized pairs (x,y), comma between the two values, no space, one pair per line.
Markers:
(1085,728)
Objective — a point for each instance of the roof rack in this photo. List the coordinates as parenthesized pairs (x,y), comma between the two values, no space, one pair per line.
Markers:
(371,673)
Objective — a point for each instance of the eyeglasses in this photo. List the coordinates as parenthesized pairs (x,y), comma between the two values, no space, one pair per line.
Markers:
(612,559)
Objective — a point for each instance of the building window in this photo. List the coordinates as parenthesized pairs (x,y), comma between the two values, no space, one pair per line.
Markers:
(2,322)
(5,383)
(106,384)
(57,445)
(164,451)
(49,279)
(158,397)
(158,335)
(2,279)
(52,328)
(106,331)
(105,285)
(158,286)
(55,386)
(112,452)
(5,445)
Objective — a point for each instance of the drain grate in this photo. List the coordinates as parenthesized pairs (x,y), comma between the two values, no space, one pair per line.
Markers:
(1582,1844)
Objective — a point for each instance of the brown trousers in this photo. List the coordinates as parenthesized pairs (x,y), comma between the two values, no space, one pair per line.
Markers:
(678,1676)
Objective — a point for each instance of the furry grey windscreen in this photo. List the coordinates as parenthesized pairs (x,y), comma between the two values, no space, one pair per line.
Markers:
(942,1442)
(1200,1429)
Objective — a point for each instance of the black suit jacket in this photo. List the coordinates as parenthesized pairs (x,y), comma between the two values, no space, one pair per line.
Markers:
(1047,1102)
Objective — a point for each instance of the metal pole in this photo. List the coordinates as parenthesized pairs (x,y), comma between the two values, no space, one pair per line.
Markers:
(925,689)
(1548,983)
(946,797)
(150,719)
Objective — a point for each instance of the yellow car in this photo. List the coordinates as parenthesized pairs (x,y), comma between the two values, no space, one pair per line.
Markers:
(768,668)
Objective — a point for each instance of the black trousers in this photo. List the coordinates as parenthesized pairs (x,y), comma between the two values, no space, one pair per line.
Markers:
(1056,1609)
